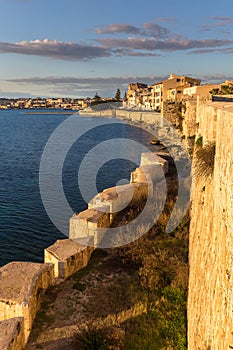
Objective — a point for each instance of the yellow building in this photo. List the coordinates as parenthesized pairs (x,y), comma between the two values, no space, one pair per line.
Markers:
(173,87)
(134,94)
(157,96)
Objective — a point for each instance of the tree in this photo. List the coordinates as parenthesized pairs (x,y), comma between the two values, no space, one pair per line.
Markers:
(97,97)
(125,97)
(118,95)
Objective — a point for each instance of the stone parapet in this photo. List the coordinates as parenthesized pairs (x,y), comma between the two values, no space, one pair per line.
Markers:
(21,287)
(155,158)
(89,223)
(68,256)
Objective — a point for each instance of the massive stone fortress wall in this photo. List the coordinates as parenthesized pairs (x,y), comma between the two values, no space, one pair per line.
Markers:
(210,302)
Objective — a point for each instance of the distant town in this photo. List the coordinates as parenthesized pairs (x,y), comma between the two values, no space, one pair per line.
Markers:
(45,103)
(154,97)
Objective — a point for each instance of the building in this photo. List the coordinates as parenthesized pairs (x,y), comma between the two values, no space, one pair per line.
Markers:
(157,96)
(173,87)
(134,94)
(201,91)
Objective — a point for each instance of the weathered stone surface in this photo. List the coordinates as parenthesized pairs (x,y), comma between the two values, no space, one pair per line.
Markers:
(114,199)
(189,124)
(21,284)
(147,174)
(68,256)
(12,334)
(210,318)
(155,158)
(18,279)
(89,223)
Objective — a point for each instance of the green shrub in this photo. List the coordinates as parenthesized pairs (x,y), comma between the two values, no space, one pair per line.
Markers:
(91,339)
(199,141)
(203,166)
(107,338)
(79,286)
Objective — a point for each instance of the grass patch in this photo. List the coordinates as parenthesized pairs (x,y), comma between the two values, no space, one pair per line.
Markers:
(96,257)
(91,338)
(163,327)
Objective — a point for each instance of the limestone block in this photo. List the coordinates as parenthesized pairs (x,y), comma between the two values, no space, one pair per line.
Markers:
(91,222)
(155,158)
(21,286)
(68,256)
(148,174)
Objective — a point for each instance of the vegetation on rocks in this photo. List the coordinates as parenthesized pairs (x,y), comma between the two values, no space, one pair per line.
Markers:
(226,89)
(203,164)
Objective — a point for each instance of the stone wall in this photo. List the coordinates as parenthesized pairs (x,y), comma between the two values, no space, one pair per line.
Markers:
(67,257)
(210,319)
(95,221)
(23,284)
(21,287)
(148,117)
(189,113)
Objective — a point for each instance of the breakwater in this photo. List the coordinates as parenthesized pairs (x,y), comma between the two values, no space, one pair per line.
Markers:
(147,117)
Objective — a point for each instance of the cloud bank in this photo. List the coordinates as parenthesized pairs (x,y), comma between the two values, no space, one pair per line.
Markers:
(121,40)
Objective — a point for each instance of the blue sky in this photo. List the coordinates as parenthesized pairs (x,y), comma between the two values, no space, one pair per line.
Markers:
(76,48)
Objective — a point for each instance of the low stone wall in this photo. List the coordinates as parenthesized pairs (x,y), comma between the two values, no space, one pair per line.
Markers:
(89,224)
(148,117)
(21,287)
(67,257)
(23,284)
(158,158)
(95,221)
(104,113)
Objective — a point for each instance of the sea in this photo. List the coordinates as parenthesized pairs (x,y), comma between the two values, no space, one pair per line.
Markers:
(26,228)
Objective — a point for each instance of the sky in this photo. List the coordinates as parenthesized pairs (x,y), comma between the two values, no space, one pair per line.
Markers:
(74,48)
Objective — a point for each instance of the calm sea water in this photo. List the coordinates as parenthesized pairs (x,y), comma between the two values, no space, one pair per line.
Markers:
(25,228)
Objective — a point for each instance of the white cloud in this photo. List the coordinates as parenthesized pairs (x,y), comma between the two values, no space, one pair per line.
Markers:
(55,49)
